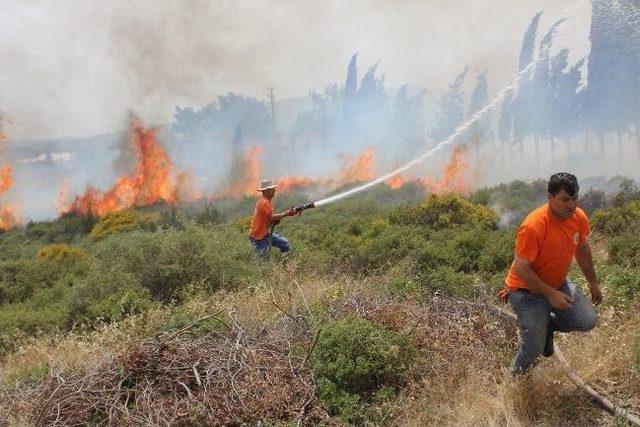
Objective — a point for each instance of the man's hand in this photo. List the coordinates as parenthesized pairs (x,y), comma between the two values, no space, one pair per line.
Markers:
(291,212)
(596,293)
(560,300)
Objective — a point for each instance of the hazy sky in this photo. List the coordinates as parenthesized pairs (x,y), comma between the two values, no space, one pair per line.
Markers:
(76,67)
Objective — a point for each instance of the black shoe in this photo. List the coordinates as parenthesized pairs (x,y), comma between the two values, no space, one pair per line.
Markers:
(548,343)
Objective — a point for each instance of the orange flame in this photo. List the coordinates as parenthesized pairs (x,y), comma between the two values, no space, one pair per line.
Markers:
(245,175)
(396,182)
(290,183)
(152,180)
(453,175)
(362,169)
(9,216)
(6,179)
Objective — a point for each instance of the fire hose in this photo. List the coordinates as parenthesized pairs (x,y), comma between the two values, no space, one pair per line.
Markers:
(606,403)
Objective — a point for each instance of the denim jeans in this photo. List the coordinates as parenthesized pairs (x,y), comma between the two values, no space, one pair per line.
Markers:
(261,246)
(535,315)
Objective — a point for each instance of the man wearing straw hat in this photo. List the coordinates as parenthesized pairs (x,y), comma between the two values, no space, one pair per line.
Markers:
(263,218)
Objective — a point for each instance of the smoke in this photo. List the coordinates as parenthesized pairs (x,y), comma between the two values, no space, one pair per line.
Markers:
(76,68)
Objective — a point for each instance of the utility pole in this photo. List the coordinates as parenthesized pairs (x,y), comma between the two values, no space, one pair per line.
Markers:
(272,104)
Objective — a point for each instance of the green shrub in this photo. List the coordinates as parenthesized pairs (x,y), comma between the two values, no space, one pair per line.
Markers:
(468,245)
(446,280)
(517,197)
(445,212)
(129,220)
(497,254)
(14,245)
(165,263)
(63,230)
(60,253)
(359,357)
(20,278)
(617,220)
(625,250)
(620,285)
(124,303)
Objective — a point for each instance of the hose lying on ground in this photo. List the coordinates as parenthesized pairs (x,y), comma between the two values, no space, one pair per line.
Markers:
(606,403)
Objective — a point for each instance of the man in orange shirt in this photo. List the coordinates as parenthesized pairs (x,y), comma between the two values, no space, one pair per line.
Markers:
(263,218)
(542,296)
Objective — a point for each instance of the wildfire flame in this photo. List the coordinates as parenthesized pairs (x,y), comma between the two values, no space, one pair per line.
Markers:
(6,179)
(453,174)
(397,182)
(361,169)
(290,183)
(153,180)
(9,216)
(245,175)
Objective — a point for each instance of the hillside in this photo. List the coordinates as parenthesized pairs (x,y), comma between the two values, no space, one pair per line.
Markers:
(380,316)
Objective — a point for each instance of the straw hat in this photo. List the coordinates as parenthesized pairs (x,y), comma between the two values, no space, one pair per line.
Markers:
(266,184)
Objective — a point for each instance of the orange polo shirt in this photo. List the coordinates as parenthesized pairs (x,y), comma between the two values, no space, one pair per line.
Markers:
(549,244)
(261,219)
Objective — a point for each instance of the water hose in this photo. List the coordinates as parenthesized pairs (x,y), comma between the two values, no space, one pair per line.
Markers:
(606,403)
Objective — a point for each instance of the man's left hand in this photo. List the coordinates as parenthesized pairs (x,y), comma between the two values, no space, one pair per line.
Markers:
(596,293)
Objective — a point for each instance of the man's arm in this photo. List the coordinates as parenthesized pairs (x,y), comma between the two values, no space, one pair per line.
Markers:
(278,217)
(584,258)
(557,298)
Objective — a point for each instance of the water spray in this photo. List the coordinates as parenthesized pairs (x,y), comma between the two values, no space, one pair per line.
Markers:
(459,131)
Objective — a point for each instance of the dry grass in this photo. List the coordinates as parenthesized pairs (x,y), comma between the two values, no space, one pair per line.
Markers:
(461,379)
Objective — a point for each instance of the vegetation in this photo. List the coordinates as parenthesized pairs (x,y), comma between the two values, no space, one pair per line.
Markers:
(378,301)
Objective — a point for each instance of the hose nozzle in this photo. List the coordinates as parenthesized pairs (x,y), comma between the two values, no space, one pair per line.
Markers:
(301,208)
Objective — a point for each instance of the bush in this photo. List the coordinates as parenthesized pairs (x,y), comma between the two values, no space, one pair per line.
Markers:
(517,198)
(593,200)
(124,303)
(63,230)
(355,358)
(625,251)
(620,285)
(617,220)
(60,253)
(497,254)
(129,220)
(468,245)
(445,212)
(20,278)
(448,281)
(165,263)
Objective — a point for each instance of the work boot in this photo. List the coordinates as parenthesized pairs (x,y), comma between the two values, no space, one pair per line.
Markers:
(548,343)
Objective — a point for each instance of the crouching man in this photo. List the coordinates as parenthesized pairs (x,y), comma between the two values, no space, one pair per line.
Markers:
(542,296)
(263,219)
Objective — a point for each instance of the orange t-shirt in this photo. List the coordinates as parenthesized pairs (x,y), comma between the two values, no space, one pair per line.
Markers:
(261,219)
(549,244)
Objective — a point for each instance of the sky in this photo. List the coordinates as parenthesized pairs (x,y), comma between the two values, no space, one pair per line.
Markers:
(78,67)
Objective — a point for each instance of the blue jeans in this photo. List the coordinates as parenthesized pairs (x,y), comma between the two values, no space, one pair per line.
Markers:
(261,246)
(535,315)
